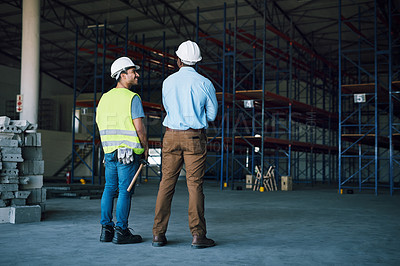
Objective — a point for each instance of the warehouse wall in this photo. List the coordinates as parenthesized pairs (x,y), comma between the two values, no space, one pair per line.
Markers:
(56,144)
(10,86)
(56,147)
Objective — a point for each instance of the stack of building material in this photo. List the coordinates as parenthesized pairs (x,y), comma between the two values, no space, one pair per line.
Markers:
(22,196)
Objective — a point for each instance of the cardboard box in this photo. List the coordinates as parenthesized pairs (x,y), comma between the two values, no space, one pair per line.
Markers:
(249,181)
(286,183)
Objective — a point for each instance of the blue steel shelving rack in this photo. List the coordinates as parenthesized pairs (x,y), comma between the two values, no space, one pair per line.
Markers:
(394,102)
(238,75)
(216,71)
(394,137)
(366,139)
(224,79)
(93,77)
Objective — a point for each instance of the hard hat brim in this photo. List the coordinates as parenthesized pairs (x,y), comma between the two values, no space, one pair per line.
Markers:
(136,67)
(116,74)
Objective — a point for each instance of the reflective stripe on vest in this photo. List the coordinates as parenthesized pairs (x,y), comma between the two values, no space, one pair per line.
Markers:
(115,123)
(118,132)
(117,143)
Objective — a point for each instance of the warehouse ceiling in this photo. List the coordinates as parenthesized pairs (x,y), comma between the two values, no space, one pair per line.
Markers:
(147,28)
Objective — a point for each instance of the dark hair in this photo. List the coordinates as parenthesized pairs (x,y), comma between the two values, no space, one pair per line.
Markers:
(122,72)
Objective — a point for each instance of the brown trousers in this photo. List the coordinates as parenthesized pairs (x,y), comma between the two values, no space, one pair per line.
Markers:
(180,147)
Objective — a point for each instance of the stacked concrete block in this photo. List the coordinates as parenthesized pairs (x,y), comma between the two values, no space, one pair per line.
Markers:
(37,197)
(22,196)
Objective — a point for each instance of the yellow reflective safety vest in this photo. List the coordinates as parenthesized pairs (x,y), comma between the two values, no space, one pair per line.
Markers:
(114,121)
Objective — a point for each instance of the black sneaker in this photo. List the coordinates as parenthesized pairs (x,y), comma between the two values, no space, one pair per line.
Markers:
(107,233)
(122,236)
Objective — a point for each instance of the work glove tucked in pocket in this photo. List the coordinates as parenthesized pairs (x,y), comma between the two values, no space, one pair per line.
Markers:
(125,155)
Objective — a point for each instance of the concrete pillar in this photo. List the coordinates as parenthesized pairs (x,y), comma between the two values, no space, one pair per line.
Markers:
(30,59)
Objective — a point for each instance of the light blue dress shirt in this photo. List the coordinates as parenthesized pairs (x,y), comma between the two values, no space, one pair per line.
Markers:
(189,100)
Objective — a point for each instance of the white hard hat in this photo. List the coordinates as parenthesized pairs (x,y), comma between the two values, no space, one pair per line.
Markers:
(189,53)
(121,64)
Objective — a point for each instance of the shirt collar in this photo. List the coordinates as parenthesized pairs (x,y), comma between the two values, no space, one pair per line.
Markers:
(186,68)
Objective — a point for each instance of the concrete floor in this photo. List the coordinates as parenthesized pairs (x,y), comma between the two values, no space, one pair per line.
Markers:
(309,226)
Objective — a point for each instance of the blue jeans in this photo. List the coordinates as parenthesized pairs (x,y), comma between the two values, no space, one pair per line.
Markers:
(118,176)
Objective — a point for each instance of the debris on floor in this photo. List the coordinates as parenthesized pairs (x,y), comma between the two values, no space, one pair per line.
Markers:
(74,191)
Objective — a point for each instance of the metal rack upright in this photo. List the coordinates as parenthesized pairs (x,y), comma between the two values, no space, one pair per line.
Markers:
(366,143)
(266,131)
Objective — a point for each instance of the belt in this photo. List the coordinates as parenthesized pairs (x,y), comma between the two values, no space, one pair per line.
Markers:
(185,130)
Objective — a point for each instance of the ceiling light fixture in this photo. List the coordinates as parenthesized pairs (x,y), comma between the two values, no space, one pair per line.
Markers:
(94,26)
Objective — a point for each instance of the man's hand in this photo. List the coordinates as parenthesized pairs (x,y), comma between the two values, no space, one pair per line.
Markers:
(142,134)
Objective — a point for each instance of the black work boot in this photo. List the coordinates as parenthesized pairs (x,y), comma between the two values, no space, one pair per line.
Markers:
(107,233)
(122,236)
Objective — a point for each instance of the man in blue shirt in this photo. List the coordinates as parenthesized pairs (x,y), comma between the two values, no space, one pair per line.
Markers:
(190,103)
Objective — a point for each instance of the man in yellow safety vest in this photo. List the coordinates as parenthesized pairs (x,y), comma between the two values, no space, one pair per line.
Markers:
(123,136)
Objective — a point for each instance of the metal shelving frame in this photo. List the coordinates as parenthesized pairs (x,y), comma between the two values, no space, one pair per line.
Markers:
(245,69)
(366,145)
(291,73)
(394,103)
(92,78)
(217,71)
